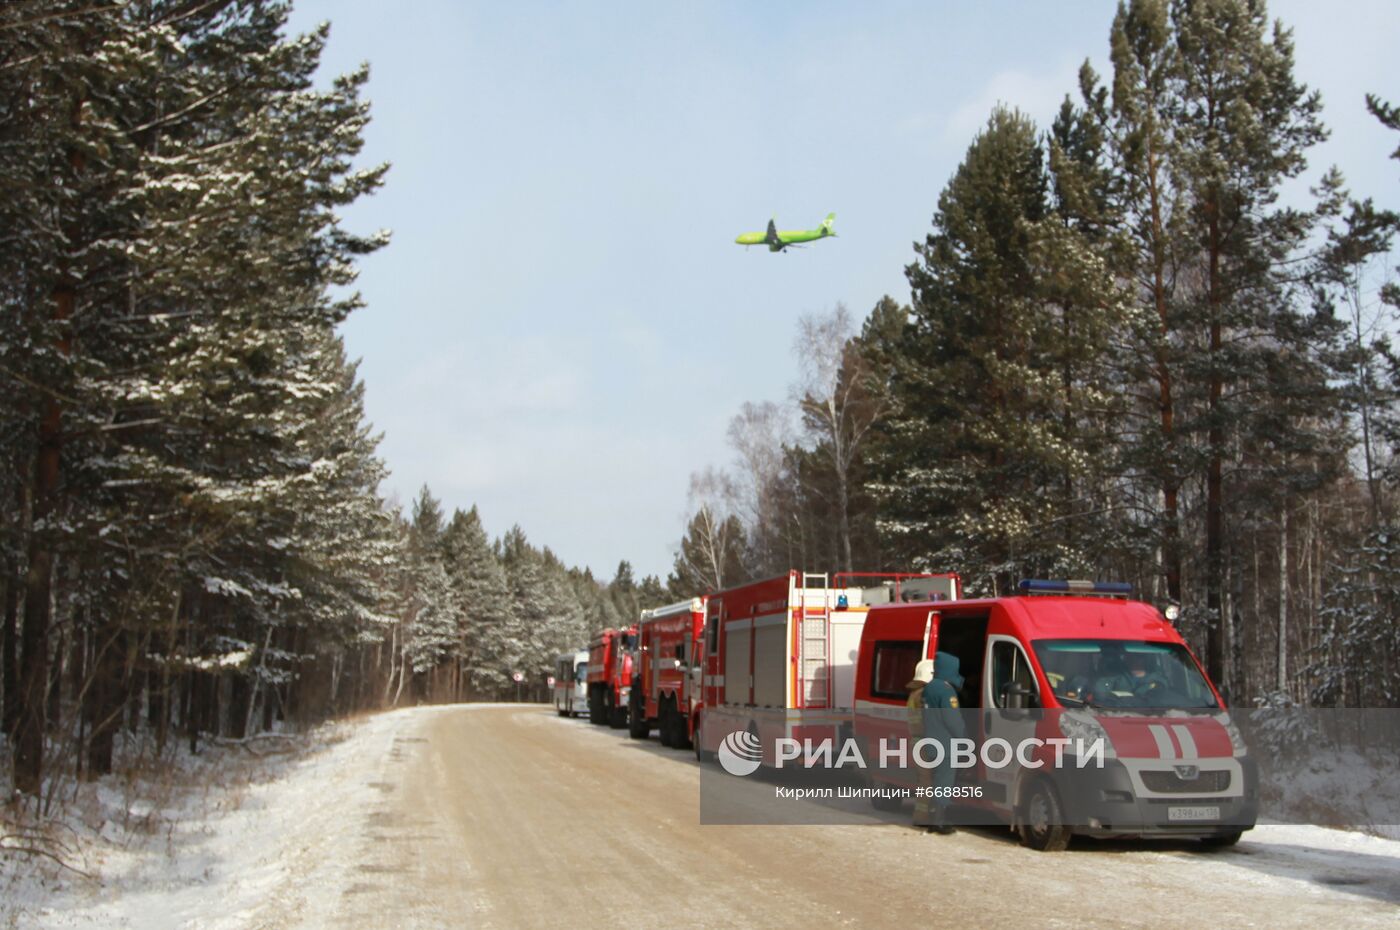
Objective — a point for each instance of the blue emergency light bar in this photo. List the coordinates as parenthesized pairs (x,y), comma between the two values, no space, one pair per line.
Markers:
(1042,586)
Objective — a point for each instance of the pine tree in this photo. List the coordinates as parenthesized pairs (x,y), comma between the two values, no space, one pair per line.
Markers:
(976,442)
(1244,127)
(483,591)
(151,187)
(1142,143)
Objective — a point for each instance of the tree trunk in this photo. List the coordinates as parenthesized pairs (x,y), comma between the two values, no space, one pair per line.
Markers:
(241,692)
(9,655)
(843,505)
(105,701)
(1171,519)
(1216,642)
(38,604)
(1281,682)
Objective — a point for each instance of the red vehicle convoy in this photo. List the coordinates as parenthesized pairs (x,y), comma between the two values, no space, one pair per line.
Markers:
(778,658)
(665,682)
(1059,665)
(610,676)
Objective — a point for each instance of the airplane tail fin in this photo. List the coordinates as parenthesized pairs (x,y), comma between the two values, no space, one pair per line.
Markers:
(826,224)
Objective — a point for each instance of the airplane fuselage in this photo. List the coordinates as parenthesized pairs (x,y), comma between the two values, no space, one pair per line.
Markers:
(777,240)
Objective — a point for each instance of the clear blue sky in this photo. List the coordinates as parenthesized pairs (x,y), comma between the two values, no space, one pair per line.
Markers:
(562,327)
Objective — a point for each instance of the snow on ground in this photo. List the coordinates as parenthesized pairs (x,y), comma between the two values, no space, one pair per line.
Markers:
(223,852)
(272,844)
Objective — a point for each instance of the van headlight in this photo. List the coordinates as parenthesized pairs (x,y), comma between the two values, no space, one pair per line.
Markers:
(1236,737)
(1083,728)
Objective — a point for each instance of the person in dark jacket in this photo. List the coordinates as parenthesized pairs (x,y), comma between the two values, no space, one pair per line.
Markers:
(943,722)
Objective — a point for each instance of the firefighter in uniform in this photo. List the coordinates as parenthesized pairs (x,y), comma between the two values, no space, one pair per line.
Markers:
(914,708)
(943,722)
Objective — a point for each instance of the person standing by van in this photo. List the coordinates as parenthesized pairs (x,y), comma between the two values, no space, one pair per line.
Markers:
(914,712)
(943,722)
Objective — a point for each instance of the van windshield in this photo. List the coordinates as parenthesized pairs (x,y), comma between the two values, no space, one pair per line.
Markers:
(1123,673)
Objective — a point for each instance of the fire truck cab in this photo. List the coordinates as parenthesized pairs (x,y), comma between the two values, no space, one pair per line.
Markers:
(665,680)
(610,676)
(571,683)
(1076,661)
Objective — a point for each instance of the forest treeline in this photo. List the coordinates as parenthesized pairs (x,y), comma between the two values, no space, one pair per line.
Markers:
(192,538)
(1126,355)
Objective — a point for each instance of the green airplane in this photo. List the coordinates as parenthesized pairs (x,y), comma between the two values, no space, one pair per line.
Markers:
(778,240)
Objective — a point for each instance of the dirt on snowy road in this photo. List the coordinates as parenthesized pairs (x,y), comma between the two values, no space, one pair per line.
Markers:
(512,817)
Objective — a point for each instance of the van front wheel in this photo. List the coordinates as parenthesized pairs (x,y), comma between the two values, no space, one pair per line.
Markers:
(1222,840)
(1042,820)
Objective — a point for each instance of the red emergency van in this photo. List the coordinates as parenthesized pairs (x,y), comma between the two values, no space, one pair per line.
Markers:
(665,680)
(610,676)
(1080,661)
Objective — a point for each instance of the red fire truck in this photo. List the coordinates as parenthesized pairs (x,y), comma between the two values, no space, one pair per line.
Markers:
(665,686)
(1069,661)
(779,655)
(610,676)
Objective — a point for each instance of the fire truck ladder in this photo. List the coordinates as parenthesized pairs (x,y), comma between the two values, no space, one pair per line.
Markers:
(815,641)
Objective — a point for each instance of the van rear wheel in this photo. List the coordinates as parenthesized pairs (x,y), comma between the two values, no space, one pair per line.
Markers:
(1042,820)
(883,802)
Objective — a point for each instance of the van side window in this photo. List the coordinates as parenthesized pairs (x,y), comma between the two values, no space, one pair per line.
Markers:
(1009,667)
(893,667)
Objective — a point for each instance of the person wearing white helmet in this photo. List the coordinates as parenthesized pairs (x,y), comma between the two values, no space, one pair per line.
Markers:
(923,804)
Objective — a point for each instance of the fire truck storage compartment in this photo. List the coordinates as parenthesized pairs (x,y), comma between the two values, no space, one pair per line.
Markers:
(770,660)
(736,662)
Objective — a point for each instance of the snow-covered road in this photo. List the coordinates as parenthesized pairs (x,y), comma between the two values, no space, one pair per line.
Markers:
(508,816)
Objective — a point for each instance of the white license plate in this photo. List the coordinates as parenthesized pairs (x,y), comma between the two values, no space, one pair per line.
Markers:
(1193,813)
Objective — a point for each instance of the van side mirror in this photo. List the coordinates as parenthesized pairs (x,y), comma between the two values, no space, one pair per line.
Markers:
(1016,696)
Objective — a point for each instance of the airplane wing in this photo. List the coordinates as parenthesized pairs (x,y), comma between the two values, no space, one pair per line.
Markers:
(772,237)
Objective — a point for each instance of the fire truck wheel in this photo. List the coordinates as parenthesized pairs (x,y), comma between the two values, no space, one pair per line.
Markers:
(637,726)
(1222,841)
(606,715)
(1041,819)
(664,729)
(680,739)
(701,756)
(595,708)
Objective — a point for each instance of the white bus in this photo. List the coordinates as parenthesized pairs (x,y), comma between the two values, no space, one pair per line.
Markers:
(571,683)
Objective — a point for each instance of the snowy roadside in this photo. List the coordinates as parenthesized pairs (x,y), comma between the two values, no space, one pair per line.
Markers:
(223,853)
(313,841)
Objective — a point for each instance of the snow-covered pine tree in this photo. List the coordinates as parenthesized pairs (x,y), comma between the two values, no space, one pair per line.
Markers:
(483,594)
(1244,126)
(972,466)
(150,186)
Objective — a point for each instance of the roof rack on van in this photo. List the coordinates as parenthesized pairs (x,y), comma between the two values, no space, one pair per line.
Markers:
(1100,588)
